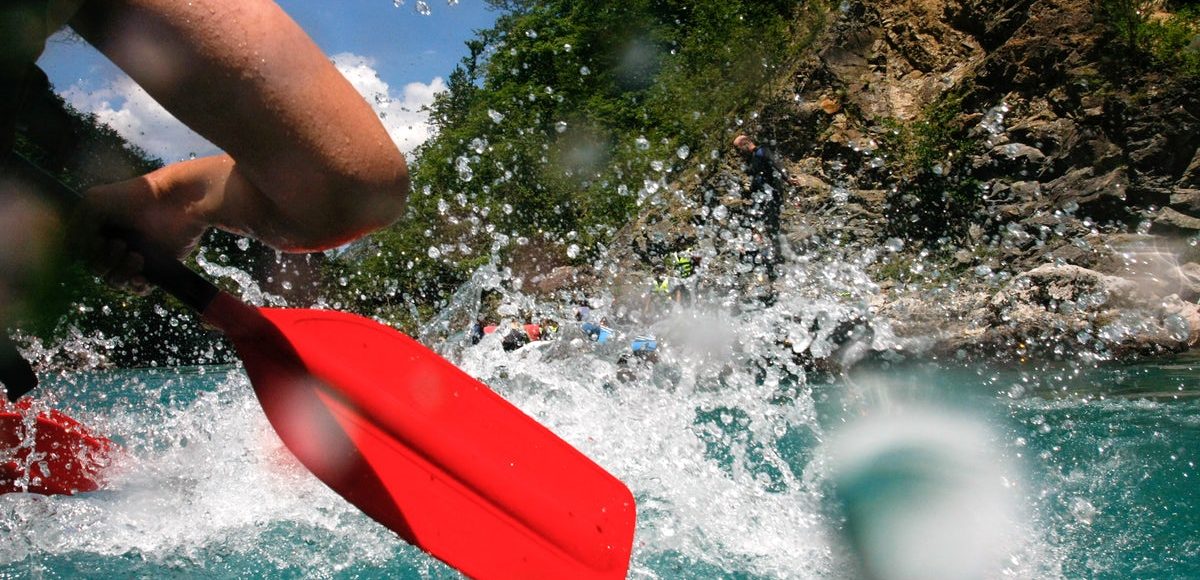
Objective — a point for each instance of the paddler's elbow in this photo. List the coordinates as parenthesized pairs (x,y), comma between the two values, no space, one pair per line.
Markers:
(352,208)
(379,202)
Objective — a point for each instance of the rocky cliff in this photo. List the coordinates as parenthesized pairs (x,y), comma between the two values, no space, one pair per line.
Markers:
(1010,185)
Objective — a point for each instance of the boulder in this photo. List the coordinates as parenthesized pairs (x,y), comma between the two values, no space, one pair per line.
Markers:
(1186,201)
(1055,288)
(1191,175)
(1101,197)
(1169,221)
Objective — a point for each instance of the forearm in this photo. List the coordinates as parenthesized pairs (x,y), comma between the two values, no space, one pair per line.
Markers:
(216,192)
(314,166)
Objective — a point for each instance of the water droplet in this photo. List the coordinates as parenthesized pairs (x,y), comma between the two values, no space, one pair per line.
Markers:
(496,116)
(573,251)
(243,244)
(1083,510)
(560,126)
(567,47)
(423,8)
(434,253)
(643,144)
(585,71)
(464,168)
(531,33)
(397,3)
(683,152)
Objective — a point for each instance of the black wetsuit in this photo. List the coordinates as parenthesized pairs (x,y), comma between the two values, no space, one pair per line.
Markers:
(764,170)
(766,192)
(23,33)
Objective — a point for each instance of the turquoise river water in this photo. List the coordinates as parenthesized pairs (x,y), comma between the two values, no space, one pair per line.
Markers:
(1074,471)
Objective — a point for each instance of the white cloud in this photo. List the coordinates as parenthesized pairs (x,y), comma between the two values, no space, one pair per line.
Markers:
(401,114)
(130,111)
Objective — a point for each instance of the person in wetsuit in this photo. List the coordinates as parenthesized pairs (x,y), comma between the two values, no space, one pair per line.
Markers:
(767,182)
(307,165)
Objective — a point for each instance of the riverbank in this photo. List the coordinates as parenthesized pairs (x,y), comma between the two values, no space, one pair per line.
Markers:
(1014,182)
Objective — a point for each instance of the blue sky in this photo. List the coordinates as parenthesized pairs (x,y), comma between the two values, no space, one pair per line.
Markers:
(395,55)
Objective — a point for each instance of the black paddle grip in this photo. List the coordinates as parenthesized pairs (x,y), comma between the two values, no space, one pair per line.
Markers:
(160,269)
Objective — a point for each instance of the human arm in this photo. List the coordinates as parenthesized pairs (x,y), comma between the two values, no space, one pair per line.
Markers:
(777,169)
(308,165)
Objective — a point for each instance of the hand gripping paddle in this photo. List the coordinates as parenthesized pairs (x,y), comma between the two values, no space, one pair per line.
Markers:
(416,443)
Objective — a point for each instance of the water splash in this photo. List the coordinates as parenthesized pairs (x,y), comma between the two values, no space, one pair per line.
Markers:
(249,290)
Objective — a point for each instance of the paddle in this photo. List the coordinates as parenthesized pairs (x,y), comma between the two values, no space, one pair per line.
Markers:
(414,442)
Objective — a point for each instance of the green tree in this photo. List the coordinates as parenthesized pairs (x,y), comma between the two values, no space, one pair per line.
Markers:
(563,119)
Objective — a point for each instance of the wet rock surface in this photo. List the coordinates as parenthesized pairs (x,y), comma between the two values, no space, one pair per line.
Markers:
(1073,201)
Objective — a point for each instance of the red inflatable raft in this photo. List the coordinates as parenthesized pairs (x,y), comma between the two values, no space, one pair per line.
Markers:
(48,452)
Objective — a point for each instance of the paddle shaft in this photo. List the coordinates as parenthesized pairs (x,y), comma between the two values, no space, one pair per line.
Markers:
(160,269)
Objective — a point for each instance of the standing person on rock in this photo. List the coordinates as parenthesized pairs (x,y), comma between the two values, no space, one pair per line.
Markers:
(767,181)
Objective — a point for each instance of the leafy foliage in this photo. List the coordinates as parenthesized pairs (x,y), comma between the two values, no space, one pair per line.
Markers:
(565,117)
(1166,34)
(930,152)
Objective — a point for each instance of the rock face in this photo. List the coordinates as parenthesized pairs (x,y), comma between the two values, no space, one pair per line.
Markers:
(1063,220)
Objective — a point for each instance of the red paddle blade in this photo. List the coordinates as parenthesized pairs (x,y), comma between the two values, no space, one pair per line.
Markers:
(428,451)
(67,458)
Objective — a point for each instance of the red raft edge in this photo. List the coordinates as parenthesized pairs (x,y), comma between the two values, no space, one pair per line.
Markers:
(68,458)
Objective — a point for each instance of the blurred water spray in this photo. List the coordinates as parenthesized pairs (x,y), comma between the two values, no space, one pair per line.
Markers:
(923,496)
